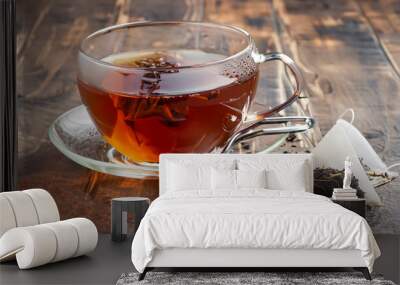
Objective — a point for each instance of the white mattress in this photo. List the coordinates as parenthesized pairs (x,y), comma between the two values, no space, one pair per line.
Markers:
(257,219)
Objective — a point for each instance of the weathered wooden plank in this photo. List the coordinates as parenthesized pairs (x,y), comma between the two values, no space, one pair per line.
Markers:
(346,67)
(257,17)
(48,51)
(48,60)
(48,46)
(384,18)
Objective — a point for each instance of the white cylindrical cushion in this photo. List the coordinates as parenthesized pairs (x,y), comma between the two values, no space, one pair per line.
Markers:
(7,218)
(37,245)
(87,235)
(23,208)
(33,246)
(45,205)
(67,240)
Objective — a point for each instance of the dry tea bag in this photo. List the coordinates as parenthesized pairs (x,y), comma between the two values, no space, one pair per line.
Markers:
(376,169)
(343,140)
(332,151)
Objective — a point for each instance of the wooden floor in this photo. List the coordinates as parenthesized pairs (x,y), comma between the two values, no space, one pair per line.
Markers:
(349,53)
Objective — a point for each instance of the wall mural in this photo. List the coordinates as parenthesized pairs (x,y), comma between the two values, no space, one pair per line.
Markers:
(48,38)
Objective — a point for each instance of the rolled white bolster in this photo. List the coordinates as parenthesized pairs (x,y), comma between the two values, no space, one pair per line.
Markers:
(40,244)
(67,240)
(33,246)
(23,208)
(46,207)
(7,218)
(87,235)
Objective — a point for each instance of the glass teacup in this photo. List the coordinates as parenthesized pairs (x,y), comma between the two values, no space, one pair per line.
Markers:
(172,87)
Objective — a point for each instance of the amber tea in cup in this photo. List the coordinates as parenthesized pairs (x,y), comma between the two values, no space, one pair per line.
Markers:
(169,87)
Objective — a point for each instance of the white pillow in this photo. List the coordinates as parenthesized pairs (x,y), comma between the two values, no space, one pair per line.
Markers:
(290,172)
(230,180)
(293,180)
(223,179)
(251,178)
(188,177)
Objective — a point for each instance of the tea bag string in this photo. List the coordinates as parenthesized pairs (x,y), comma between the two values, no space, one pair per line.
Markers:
(391,174)
(351,111)
(393,165)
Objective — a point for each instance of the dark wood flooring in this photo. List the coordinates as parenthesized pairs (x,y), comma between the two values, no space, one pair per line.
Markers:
(110,260)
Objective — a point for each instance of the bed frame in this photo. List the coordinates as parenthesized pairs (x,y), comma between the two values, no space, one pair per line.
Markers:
(240,259)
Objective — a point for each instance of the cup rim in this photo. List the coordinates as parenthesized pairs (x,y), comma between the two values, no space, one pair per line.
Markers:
(250,43)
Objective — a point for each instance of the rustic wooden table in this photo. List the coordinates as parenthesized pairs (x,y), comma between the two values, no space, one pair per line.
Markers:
(349,53)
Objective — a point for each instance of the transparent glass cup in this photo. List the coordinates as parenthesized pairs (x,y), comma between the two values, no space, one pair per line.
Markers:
(176,87)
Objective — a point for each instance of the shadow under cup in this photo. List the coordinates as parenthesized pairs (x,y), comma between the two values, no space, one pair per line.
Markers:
(154,88)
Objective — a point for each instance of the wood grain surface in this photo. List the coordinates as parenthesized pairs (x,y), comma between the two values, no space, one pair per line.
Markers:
(349,53)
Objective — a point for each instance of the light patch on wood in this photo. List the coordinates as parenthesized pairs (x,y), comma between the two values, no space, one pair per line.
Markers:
(27,40)
(72,38)
(122,11)
(384,19)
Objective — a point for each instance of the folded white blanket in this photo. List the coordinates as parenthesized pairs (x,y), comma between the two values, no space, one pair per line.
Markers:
(250,219)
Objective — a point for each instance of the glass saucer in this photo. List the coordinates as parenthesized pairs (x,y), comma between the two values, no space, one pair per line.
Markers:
(74,134)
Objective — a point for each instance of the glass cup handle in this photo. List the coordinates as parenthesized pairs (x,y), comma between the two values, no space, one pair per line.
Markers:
(294,124)
(261,58)
(297,124)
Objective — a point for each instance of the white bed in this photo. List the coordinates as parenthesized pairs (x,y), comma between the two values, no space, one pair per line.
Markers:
(248,227)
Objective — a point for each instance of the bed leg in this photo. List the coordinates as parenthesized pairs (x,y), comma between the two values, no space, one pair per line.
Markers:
(143,274)
(364,271)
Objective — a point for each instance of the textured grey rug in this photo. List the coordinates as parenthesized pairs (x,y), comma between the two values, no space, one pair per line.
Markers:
(232,278)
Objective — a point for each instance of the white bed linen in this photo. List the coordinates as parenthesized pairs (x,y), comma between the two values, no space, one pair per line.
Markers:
(250,219)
